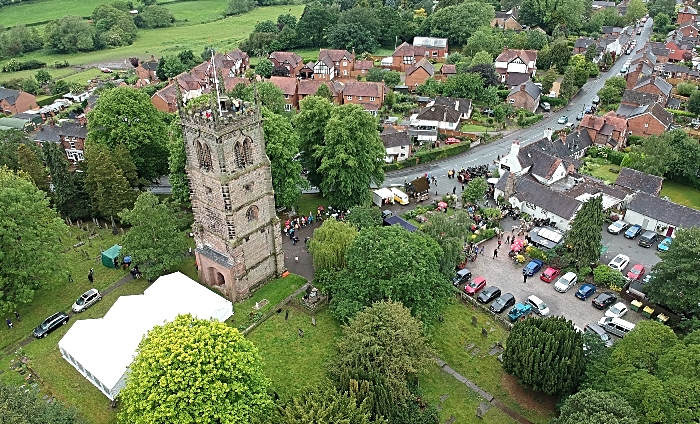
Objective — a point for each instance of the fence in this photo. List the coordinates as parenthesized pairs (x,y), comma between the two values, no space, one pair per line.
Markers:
(507,325)
(274,309)
(453,133)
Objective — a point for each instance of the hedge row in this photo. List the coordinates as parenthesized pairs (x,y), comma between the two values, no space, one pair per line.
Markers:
(47,101)
(429,155)
(681,113)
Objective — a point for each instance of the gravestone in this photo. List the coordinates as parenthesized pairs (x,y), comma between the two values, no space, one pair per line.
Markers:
(474,320)
(482,409)
(484,332)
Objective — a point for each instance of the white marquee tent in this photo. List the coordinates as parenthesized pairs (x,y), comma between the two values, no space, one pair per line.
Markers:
(102,349)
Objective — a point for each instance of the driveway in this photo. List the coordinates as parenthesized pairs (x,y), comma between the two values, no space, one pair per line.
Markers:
(638,255)
(508,276)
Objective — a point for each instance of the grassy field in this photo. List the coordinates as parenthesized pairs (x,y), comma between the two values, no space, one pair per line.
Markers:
(683,195)
(600,168)
(274,292)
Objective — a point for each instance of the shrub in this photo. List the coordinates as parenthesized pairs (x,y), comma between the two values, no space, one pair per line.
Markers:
(535,253)
(605,276)
(60,64)
(685,89)
(680,113)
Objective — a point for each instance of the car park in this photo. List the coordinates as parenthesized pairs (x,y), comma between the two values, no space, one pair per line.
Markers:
(600,332)
(549,274)
(604,300)
(51,323)
(475,285)
(563,120)
(532,267)
(636,272)
(566,282)
(519,311)
(619,262)
(664,245)
(463,275)
(538,305)
(86,300)
(648,239)
(502,303)
(617,227)
(633,231)
(585,291)
(617,310)
(488,294)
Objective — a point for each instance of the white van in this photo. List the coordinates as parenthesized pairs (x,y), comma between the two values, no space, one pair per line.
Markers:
(400,196)
(538,305)
(616,326)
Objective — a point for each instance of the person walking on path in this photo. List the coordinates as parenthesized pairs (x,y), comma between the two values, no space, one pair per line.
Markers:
(17,316)
(91,275)
(495,253)
(524,278)
(499,244)
(9,323)
(507,239)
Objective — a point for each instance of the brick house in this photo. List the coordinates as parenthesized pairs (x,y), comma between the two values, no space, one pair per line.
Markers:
(288,85)
(416,75)
(362,67)
(146,72)
(516,62)
(309,87)
(646,120)
(654,85)
(507,20)
(69,135)
(334,64)
(13,102)
(231,64)
(448,71)
(526,96)
(397,143)
(368,94)
(307,71)
(638,98)
(671,70)
(190,86)
(686,14)
(582,44)
(676,51)
(609,130)
(405,56)
(636,71)
(289,60)
(434,48)
(689,29)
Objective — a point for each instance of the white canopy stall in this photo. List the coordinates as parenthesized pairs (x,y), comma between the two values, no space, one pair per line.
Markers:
(102,349)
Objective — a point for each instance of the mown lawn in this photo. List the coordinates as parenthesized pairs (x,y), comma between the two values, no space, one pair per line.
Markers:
(681,194)
(471,128)
(274,292)
(601,169)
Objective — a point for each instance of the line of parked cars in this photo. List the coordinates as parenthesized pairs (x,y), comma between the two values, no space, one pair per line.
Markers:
(58,319)
(647,238)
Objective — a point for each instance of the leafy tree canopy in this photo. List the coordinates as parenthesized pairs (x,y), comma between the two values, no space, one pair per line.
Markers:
(329,245)
(450,233)
(10,140)
(192,370)
(22,406)
(583,238)
(326,403)
(69,34)
(475,190)
(363,216)
(310,123)
(594,407)
(458,22)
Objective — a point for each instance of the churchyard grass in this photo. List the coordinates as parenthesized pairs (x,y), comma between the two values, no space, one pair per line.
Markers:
(57,293)
(274,293)
(309,203)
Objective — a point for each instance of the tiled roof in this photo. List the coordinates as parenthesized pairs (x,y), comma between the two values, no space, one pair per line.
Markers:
(530,88)
(459,104)
(151,65)
(673,68)
(237,54)
(546,198)
(543,165)
(288,85)
(593,187)
(364,89)
(657,208)
(335,55)
(66,129)
(610,29)
(583,42)
(309,87)
(363,65)
(526,55)
(638,98)
(392,137)
(640,181)
(593,122)
(408,50)
(660,83)
(439,113)
(231,82)
(448,70)
(289,57)
(617,122)
(424,64)
(515,79)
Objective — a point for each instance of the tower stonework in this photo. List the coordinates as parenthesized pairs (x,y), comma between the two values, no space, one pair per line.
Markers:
(236,230)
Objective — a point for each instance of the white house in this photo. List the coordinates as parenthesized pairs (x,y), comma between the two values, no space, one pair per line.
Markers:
(397,144)
(444,113)
(516,62)
(657,214)
(545,168)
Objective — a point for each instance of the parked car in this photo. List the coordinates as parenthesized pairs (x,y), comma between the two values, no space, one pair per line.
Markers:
(475,285)
(532,267)
(463,275)
(585,291)
(489,294)
(563,120)
(617,310)
(636,272)
(648,239)
(51,323)
(87,299)
(619,262)
(549,274)
(633,231)
(566,282)
(452,140)
(519,311)
(579,116)
(502,303)
(538,306)
(545,106)
(639,31)
(664,245)
(600,332)
(604,300)
(595,100)
(617,227)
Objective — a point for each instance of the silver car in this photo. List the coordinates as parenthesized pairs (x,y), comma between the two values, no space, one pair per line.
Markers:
(565,282)
(88,298)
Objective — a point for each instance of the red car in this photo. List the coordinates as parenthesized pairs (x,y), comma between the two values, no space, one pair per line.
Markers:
(636,272)
(550,274)
(475,285)
(452,140)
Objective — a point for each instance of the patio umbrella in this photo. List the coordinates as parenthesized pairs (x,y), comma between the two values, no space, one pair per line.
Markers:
(442,205)
(320,208)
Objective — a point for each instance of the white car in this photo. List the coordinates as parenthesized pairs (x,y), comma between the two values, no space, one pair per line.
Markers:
(566,282)
(617,227)
(86,300)
(619,262)
(616,311)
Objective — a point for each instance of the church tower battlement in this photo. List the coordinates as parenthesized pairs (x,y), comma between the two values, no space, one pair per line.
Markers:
(236,230)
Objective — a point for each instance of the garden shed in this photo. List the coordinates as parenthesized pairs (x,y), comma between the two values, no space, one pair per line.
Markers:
(110,257)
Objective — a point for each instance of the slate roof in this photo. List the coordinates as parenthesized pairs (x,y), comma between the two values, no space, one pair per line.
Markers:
(606,29)
(515,79)
(364,89)
(392,137)
(673,103)
(640,181)
(543,165)
(656,110)
(530,88)
(552,201)
(673,68)
(660,209)
(660,83)
(9,95)
(638,98)
(456,103)
(151,65)
(583,42)
(688,10)
(66,129)
(423,63)
(556,147)
(594,187)
(439,113)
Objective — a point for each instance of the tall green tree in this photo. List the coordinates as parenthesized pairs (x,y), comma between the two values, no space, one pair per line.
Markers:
(372,260)
(110,192)
(657,7)
(264,68)
(550,14)
(351,158)
(282,147)
(329,244)
(363,216)
(10,140)
(458,22)
(122,160)
(583,238)
(170,66)
(314,24)
(69,195)
(328,404)
(155,16)
(155,240)
(194,370)
(450,233)
(269,94)
(22,406)
(177,160)
(30,236)
(310,123)
(475,190)
(636,9)
(32,164)
(675,282)
(593,407)
(125,115)
(546,354)
(69,34)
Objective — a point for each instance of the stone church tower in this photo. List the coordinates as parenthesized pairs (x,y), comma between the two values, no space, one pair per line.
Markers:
(238,237)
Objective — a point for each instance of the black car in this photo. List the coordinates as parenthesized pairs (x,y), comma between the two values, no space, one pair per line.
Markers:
(489,294)
(51,323)
(502,303)
(604,300)
(462,276)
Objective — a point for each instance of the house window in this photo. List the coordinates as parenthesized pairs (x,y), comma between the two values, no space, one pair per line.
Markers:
(337,63)
(403,147)
(646,125)
(252,213)
(287,107)
(72,144)
(286,96)
(511,101)
(345,72)
(371,99)
(349,97)
(435,54)
(359,98)
(345,63)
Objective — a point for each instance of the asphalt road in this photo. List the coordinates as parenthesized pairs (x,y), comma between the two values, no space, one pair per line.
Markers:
(486,154)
